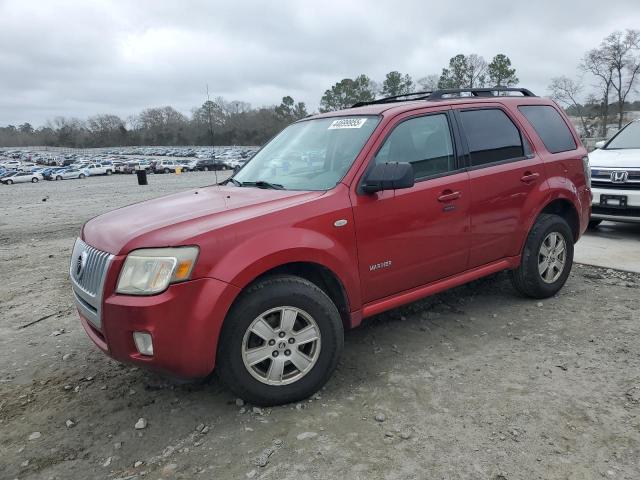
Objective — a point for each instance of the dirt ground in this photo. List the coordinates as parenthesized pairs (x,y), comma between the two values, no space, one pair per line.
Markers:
(475,383)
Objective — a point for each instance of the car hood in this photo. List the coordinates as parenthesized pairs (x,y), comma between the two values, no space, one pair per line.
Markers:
(175,219)
(627,158)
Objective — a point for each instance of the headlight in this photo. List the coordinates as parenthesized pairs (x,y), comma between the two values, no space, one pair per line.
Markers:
(151,270)
(587,170)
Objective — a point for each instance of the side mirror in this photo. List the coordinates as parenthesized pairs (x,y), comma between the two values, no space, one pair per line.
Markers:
(600,144)
(389,176)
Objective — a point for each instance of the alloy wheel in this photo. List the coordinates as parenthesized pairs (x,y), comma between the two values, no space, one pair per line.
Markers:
(281,345)
(552,257)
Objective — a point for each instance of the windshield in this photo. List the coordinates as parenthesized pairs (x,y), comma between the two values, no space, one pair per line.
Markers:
(628,137)
(308,155)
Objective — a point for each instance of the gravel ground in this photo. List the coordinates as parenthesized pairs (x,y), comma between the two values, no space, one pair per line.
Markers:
(475,383)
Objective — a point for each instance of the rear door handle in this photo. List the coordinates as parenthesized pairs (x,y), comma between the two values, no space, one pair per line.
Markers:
(529,177)
(448,196)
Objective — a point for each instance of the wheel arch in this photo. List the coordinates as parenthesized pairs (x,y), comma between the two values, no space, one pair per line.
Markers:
(564,208)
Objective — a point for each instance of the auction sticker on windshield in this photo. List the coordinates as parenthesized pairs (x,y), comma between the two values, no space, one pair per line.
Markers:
(347,123)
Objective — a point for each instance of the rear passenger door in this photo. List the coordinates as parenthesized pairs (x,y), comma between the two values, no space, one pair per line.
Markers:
(505,174)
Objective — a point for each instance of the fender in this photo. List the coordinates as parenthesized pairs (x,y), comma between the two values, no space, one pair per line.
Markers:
(261,253)
(559,189)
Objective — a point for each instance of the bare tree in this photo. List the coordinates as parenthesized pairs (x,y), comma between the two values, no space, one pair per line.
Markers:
(429,83)
(622,51)
(476,71)
(566,92)
(616,65)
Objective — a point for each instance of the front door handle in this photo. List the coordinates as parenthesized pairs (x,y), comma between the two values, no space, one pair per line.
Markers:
(448,196)
(529,177)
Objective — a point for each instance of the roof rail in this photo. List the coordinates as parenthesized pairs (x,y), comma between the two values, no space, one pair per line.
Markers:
(395,98)
(479,92)
(447,93)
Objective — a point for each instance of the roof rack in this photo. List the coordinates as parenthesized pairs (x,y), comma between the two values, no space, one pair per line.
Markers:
(448,93)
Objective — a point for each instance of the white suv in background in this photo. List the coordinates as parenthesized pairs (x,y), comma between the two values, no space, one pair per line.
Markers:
(615,177)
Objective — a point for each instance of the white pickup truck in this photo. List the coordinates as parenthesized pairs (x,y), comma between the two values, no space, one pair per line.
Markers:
(97,169)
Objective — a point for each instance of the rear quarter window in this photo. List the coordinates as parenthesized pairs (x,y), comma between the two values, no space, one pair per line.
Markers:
(550,126)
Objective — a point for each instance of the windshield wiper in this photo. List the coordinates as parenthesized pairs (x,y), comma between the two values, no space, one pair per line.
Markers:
(263,184)
(234,181)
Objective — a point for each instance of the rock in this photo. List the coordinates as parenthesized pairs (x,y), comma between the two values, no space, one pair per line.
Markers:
(70,423)
(200,427)
(141,424)
(405,435)
(137,464)
(35,436)
(117,445)
(67,356)
(540,304)
(239,402)
(277,442)
(205,430)
(169,469)
(25,463)
(257,411)
(55,333)
(389,434)
(242,411)
(252,473)
(306,435)
(107,462)
(380,417)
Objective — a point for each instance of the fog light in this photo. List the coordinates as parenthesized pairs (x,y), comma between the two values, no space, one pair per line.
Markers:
(143,342)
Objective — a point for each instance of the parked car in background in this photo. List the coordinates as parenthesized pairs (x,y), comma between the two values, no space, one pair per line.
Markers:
(22,177)
(615,177)
(165,166)
(206,164)
(69,173)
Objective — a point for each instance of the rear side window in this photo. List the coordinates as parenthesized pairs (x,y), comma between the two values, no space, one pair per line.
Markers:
(424,142)
(492,136)
(550,126)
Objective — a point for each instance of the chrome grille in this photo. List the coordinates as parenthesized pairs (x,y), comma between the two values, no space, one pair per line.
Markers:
(88,270)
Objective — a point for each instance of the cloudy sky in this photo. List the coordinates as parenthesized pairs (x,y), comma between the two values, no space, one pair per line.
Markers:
(79,58)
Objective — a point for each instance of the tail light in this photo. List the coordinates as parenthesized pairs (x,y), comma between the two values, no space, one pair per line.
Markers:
(587,170)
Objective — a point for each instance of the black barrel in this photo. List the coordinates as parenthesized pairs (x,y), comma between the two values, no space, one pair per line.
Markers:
(142,176)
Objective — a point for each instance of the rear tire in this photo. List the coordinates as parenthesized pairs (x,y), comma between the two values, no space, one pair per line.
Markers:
(547,258)
(58,177)
(306,364)
(109,172)
(166,170)
(34,180)
(594,224)
(9,182)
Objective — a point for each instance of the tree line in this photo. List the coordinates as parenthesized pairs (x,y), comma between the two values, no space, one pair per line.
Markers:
(614,64)
(222,122)
(612,70)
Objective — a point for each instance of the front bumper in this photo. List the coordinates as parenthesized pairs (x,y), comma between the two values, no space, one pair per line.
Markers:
(629,213)
(184,322)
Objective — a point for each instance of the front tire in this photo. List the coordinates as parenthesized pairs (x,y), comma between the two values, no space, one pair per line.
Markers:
(34,180)
(547,258)
(58,178)
(280,342)
(82,175)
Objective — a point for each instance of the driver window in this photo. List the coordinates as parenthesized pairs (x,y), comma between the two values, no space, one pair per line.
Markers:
(425,142)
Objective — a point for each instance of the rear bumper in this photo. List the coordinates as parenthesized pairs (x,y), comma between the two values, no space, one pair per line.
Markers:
(184,323)
(630,213)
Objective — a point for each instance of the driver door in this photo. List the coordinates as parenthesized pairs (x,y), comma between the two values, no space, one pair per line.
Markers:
(411,237)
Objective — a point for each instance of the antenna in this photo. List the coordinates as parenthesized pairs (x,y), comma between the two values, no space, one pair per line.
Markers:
(215,169)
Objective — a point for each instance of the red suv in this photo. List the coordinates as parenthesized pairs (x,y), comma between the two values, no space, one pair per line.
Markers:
(340,217)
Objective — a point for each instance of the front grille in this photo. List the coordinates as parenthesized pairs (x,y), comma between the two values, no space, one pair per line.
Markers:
(88,266)
(616,211)
(615,186)
(88,271)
